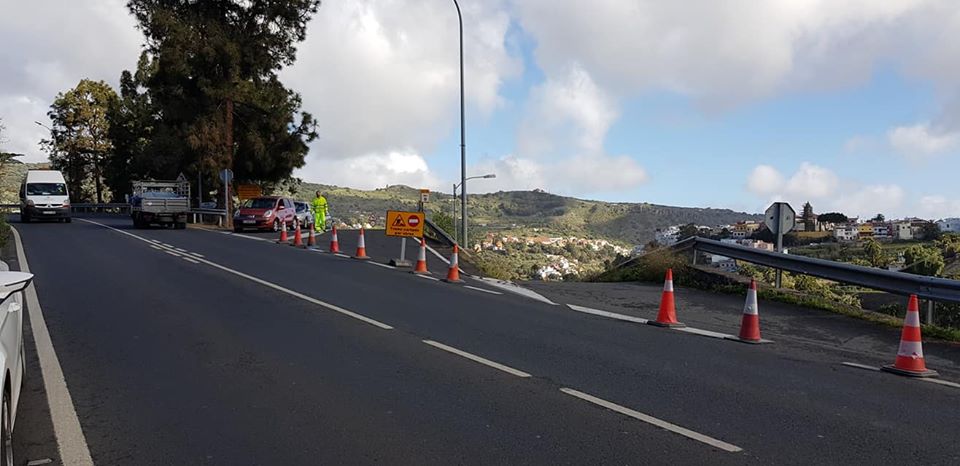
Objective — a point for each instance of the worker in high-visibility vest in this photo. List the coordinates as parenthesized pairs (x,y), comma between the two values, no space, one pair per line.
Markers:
(319,206)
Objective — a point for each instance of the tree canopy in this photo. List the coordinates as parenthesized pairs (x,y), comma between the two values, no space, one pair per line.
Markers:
(832,217)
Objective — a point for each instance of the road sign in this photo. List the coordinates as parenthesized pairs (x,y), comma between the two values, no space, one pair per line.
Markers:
(780,218)
(248,191)
(424,195)
(226,175)
(405,223)
(181,177)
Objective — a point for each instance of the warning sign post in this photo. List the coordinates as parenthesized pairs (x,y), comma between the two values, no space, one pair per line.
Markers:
(405,224)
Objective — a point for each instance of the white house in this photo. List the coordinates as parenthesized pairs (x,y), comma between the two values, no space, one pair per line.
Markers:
(846,232)
(881,230)
(667,236)
(949,225)
(902,230)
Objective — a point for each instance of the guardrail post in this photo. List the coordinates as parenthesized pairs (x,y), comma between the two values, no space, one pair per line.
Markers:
(929,312)
(694,256)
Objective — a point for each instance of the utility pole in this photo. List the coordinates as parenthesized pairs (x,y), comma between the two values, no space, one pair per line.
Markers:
(463,144)
(226,185)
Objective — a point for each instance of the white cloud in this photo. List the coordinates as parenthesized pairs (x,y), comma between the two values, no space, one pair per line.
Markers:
(383,75)
(921,140)
(868,201)
(938,207)
(764,180)
(812,181)
(375,170)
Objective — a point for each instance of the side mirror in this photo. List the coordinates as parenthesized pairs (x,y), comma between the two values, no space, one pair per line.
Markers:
(12,282)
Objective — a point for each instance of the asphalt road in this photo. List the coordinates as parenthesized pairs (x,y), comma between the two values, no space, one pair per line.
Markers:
(198,347)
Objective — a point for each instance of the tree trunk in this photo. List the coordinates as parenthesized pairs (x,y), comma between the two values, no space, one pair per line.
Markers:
(99,180)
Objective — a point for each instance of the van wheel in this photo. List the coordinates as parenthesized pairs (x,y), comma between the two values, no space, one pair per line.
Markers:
(6,432)
(67,220)
(24,218)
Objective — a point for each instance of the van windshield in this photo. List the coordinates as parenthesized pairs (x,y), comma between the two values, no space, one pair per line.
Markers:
(46,189)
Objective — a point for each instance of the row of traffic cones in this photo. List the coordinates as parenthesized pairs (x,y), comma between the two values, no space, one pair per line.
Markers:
(453,272)
(909,360)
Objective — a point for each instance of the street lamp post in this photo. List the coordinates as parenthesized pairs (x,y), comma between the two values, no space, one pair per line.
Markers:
(463,136)
(455,187)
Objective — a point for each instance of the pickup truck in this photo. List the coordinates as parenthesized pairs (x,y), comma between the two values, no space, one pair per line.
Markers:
(160,202)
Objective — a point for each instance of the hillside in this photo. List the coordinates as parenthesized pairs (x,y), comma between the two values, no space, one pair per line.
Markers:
(521,211)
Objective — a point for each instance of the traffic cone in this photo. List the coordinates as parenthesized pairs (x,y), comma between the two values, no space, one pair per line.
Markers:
(453,273)
(421,268)
(910,354)
(361,248)
(311,238)
(667,317)
(334,243)
(283,234)
(297,237)
(750,323)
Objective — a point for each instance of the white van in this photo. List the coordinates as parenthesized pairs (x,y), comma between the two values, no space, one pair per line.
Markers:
(43,195)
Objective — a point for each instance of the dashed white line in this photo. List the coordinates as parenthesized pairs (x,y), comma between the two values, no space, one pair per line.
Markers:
(654,421)
(196,255)
(429,277)
(942,382)
(263,282)
(861,366)
(341,255)
(181,250)
(381,265)
(171,253)
(190,260)
(612,315)
(706,333)
(483,290)
(476,358)
(158,248)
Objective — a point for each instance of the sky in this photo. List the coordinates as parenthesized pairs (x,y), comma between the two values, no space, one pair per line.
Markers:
(852,105)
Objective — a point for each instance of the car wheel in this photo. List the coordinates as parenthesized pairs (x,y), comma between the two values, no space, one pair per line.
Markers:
(296,223)
(276,225)
(6,432)
(24,218)
(69,219)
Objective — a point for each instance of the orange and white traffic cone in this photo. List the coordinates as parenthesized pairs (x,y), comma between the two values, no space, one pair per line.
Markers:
(311,238)
(361,248)
(750,323)
(667,316)
(421,268)
(910,354)
(297,237)
(283,233)
(453,273)
(334,243)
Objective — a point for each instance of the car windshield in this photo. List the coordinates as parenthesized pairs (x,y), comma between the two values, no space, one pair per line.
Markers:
(46,189)
(301,206)
(260,203)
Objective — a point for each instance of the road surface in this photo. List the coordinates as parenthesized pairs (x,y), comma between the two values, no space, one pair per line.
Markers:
(200,347)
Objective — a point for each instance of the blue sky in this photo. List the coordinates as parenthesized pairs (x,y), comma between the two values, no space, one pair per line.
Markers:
(853,105)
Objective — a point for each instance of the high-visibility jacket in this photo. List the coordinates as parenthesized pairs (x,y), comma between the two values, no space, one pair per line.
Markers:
(320,208)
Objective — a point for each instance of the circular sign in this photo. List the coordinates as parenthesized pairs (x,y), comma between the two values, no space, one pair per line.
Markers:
(413,220)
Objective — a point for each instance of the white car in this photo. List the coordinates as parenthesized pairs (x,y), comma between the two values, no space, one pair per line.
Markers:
(11,352)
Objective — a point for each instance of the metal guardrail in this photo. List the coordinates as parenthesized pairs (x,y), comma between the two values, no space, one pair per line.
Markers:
(939,289)
(439,232)
(107,207)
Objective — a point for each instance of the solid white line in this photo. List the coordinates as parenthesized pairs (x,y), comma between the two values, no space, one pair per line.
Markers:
(612,315)
(263,282)
(66,426)
(942,382)
(705,333)
(428,277)
(861,366)
(341,255)
(381,265)
(171,253)
(654,421)
(476,358)
(196,255)
(483,290)
(190,260)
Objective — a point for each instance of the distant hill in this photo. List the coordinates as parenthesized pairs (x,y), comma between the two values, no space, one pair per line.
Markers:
(626,223)
(11,175)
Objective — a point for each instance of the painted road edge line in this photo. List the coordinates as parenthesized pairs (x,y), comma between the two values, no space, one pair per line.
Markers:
(612,315)
(481,289)
(654,421)
(188,259)
(263,282)
(515,289)
(429,277)
(861,366)
(71,443)
(476,358)
(945,383)
(381,265)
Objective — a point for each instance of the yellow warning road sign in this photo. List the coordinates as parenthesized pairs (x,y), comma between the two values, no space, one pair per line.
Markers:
(405,223)
(248,191)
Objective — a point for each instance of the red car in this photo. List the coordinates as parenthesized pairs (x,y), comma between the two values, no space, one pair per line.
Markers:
(265,213)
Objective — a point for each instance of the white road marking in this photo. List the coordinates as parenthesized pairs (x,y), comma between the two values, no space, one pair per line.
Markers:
(156,247)
(171,253)
(476,358)
(706,333)
(654,421)
(861,366)
(71,443)
(381,265)
(263,282)
(510,287)
(196,255)
(428,277)
(190,260)
(341,255)
(181,250)
(612,315)
(483,290)
(942,382)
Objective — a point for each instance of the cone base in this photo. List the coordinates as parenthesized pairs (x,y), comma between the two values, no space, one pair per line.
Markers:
(896,370)
(666,324)
(420,272)
(284,241)
(744,340)
(452,280)
(361,258)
